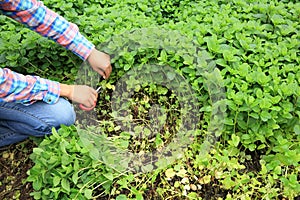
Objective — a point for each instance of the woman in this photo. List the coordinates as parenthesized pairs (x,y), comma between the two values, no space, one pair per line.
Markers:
(31,105)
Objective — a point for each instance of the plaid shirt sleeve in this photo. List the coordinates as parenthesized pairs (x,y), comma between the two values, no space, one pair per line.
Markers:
(44,21)
(16,87)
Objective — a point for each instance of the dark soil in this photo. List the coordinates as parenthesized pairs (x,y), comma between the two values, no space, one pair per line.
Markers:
(14,163)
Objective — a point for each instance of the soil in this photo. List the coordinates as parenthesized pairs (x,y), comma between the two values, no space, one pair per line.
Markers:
(14,163)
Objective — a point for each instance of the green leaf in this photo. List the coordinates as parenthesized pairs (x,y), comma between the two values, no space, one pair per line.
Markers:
(235,140)
(56,180)
(265,115)
(162,90)
(37,184)
(36,195)
(139,196)
(244,69)
(86,142)
(192,195)
(109,176)
(297,129)
(265,103)
(277,170)
(38,151)
(212,43)
(170,173)
(75,177)
(171,75)
(252,147)
(55,190)
(121,197)
(88,193)
(65,185)
(163,56)
(94,154)
(127,67)
(46,192)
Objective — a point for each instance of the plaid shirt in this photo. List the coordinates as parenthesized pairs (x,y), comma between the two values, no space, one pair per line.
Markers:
(15,87)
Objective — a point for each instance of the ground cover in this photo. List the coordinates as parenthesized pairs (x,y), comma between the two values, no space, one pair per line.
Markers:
(236,67)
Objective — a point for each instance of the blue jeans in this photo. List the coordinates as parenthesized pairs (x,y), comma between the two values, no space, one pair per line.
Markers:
(18,122)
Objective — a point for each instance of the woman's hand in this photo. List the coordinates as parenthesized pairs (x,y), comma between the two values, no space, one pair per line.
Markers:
(100,62)
(81,94)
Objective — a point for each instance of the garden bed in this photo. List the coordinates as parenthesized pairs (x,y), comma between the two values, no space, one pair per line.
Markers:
(215,82)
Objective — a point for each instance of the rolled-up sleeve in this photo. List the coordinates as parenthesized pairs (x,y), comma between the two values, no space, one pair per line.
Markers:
(38,17)
(15,87)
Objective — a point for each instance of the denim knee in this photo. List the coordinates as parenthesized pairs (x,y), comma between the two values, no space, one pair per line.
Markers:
(18,121)
(62,113)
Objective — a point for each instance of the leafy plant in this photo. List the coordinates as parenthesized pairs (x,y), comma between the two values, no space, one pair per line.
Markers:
(240,53)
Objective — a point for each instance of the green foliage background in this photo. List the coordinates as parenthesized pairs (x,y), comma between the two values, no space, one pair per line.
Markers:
(256,47)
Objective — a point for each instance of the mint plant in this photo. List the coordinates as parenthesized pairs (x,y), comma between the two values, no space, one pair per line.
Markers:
(240,59)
